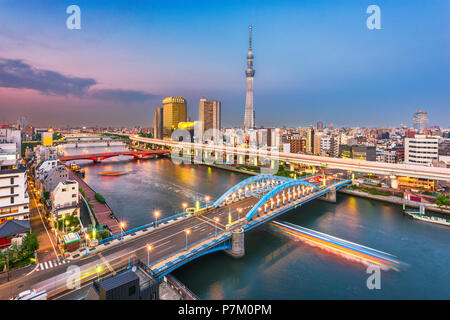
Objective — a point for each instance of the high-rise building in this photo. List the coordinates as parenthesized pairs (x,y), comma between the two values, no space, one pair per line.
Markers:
(209,115)
(310,140)
(420,120)
(319,125)
(249,117)
(158,124)
(174,112)
(47,138)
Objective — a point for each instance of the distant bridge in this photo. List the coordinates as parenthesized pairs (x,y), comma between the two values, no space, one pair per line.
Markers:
(97,157)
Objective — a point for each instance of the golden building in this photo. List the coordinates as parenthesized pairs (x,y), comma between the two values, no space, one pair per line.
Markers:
(174,112)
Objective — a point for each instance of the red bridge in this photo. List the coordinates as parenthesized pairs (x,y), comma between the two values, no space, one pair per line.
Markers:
(97,157)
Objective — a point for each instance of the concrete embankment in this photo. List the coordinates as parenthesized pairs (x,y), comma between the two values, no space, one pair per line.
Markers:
(394,200)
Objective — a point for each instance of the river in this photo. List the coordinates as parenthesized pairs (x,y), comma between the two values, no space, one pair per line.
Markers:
(275,266)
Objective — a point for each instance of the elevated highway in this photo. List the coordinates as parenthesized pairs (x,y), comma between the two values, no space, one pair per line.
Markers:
(391,169)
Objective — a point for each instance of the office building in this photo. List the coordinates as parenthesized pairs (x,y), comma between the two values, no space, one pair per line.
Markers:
(158,124)
(356,152)
(209,116)
(421,150)
(174,112)
(420,120)
(14,200)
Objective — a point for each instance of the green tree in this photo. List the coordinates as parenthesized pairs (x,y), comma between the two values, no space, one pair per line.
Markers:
(441,200)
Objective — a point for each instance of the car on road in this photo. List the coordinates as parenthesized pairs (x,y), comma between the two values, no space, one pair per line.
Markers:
(31,294)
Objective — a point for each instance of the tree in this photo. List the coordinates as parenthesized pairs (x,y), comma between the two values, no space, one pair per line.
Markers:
(441,200)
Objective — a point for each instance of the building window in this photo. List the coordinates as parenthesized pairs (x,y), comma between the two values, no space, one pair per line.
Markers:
(12,180)
(12,199)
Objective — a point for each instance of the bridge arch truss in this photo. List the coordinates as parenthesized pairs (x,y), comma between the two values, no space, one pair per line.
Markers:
(260,183)
(289,190)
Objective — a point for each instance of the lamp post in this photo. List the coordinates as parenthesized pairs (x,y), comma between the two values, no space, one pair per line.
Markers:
(216,220)
(156,214)
(64,223)
(98,273)
(185,205)
(122,225)
(187,231)
(86,236)
(207,198)
(149,248)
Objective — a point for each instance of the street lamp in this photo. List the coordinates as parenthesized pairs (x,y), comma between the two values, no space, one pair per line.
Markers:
(207,198)
(149,248)
(239,213)
(64,223)
(185,205)
(122,226)
(156,214)
(216,220)
(86,236)
(187,231)
(98,273)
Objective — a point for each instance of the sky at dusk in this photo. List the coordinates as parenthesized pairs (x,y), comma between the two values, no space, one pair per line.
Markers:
(314,60)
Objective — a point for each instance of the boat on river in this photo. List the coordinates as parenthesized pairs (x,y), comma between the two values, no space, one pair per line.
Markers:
(112,173)
(431,219)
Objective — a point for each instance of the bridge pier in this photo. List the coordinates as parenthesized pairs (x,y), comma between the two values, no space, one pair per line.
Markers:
(330,196)
(237,244)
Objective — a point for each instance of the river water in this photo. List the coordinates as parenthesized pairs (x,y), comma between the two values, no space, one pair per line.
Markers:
(275,266)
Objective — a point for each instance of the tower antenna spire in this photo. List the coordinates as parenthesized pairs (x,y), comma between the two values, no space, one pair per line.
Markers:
(250,39)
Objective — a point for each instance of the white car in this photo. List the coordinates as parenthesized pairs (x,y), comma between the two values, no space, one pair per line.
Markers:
(31,295)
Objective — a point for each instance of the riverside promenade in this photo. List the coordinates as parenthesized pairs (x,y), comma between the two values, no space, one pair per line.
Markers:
(103,213)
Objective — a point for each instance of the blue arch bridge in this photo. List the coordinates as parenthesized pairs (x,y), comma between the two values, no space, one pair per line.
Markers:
(169,243)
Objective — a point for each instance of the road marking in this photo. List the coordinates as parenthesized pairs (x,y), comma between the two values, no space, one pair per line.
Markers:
(49,264)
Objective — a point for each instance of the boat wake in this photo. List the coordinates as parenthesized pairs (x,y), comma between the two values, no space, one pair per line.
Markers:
(343,248)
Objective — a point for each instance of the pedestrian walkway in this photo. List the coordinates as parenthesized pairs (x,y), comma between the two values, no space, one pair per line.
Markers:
(50,264)
(101,210)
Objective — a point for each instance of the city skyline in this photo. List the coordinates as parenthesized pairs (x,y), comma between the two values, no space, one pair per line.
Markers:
(319,69)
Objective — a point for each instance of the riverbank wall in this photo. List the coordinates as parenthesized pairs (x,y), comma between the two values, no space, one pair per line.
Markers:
(394,200)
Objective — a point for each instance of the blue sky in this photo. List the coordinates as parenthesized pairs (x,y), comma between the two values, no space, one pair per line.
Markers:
(314,60)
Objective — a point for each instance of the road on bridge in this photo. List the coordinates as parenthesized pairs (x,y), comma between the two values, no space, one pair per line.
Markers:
(164,240)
